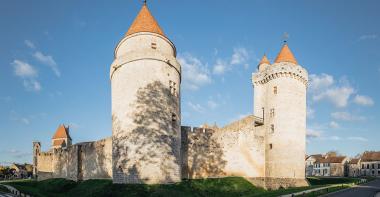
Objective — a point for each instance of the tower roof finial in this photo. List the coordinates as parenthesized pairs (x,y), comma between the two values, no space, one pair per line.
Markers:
(285,37)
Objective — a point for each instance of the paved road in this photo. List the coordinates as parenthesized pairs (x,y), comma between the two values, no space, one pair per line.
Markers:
(368,189)
(2,194)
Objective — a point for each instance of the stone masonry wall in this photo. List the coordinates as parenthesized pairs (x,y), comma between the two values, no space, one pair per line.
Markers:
(88,160)
(234,150)
(97,159)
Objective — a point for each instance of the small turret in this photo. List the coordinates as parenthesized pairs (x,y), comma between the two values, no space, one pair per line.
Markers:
(61,138)
(264,63)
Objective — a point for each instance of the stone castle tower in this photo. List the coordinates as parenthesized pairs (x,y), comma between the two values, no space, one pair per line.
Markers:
(36,151)
(61,138)
(145,84)
(280,99)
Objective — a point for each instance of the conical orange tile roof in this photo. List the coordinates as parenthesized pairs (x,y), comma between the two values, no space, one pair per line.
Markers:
(62,132)
(264,60)
(144,22)
(286,55)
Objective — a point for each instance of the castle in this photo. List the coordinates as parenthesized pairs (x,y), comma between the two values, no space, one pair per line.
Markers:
(148,144)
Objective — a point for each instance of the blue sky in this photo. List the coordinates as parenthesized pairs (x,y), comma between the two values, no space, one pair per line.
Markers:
(55,58)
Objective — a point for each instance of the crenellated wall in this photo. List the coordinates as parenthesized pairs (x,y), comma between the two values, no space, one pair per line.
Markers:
(88,160)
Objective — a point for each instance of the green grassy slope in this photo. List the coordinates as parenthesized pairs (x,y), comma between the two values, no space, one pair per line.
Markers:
(230,186)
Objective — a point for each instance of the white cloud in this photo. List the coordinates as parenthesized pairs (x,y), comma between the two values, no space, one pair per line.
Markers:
(220,67)
(195,73)
(368,37)
(334,138)
(362,139)
(346,116)
(212,104)
(338,96)
(320,82)
(239,56)
(196,107)
(363,100)
(310,133)
(323,87)
(16,153)
(334,125)
(23,69)
(25,120)
(28,73)
(47,60)
(310,112)
(29,44)
(32,85)
(16,117)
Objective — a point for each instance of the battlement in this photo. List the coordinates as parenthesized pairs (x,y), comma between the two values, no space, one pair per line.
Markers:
(278,70)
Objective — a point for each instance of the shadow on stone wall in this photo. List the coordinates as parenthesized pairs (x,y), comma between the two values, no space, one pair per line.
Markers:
(93,160)
(153,144)
(205,157)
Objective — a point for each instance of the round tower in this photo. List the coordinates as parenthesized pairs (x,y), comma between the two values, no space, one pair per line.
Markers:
(285,83)
(259,91)
(145,84)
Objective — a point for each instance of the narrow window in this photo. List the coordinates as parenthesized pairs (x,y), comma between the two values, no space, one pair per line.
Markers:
(272,112)
(173,89)
(378,166)
(174,120)
(367,166)
(275,90)
(153,45)
(272,128)
(373,166)
(363,166)
(270,146)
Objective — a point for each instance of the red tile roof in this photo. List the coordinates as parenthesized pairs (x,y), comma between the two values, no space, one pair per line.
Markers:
(62,132)
(338,159)
(264,60)
(286,55)
(144,22)
(354,161)
(370,156)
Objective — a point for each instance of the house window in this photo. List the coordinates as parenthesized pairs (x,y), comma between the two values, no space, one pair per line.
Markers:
(270,146)
(378,166)
(153,45)
(373,166)
(275,90)
(373,172)
(173,88)
(362,166)
(272,128)
(272,112)
(367,166)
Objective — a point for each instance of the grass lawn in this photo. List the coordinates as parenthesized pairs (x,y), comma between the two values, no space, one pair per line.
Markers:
(230,186)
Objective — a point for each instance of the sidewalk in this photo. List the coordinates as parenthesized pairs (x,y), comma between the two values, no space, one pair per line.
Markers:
(310,190)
